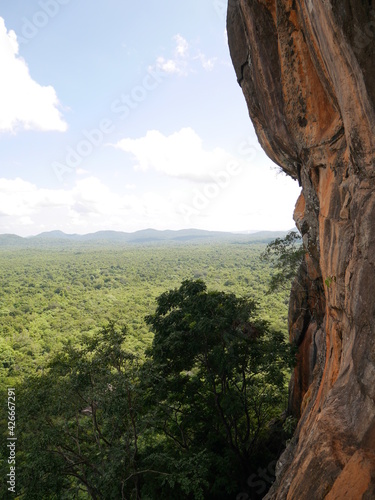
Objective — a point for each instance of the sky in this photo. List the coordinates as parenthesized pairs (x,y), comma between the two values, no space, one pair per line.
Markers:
(124,115)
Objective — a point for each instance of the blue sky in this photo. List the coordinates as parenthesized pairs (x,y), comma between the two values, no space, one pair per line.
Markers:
(127,115)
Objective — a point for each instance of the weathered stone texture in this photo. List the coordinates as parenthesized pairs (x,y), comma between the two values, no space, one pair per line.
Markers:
(307,71)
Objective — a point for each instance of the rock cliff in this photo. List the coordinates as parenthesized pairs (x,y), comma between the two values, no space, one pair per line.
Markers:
(307,71)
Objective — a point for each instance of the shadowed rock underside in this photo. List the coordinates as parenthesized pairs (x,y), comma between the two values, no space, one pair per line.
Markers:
(306,68)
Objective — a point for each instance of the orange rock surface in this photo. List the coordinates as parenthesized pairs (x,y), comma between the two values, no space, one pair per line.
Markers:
(307,71)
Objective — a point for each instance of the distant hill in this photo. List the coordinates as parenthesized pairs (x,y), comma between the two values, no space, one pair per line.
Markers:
(145,236)
(12,240)
(54,235)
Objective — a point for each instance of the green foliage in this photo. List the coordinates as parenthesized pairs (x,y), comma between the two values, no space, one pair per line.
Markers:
(329,280)
(189,420)
(219,378)
(285,255)
(78,423)
(79,434)
(52,295)
(289,425)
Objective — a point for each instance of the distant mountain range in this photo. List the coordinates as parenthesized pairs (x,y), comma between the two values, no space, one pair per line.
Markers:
(146,236)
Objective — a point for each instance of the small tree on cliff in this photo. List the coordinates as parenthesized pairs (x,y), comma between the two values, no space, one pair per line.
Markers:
(285,256)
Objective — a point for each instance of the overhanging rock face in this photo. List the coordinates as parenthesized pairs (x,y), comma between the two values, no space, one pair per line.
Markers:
(307,71)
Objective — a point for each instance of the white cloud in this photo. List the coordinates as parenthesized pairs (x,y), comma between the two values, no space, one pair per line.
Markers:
(180,154)
(81,171)
(171,66)
(90,205)
(253,199)
(21,198)
(23,102)
(233,191)
(182,46)
(207,64)
(249,197)
(182,62)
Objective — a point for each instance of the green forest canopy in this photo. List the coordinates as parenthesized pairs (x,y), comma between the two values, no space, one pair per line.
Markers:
(191,419)
(51,295)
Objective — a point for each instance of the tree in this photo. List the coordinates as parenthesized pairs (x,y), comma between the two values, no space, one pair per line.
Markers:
(78,423)
(84,431)
(192,420)
(219,378)
(285,255)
